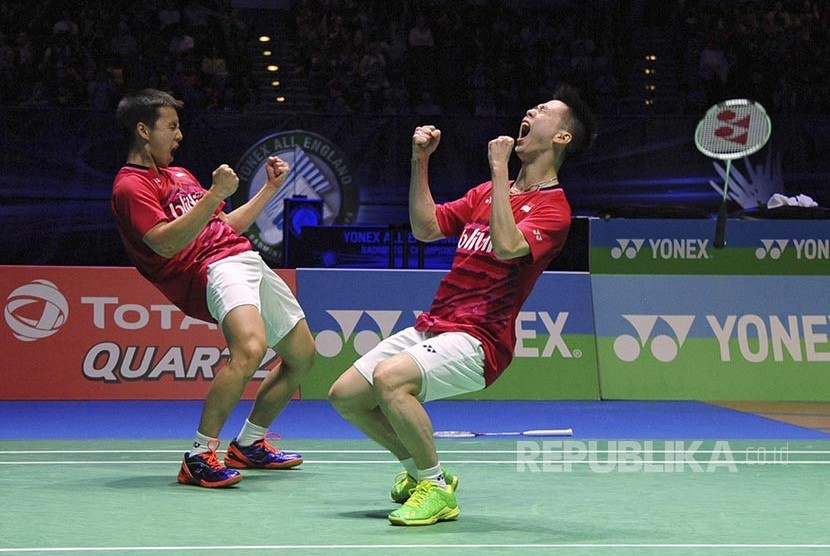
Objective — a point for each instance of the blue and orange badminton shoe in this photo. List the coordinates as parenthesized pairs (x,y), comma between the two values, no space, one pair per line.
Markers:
(204,470)
(260,455)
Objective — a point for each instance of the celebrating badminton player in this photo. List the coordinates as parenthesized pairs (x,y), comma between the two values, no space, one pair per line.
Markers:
(179,238)
(509,231)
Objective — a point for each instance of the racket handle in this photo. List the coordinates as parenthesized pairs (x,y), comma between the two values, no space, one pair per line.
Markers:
(720,227)
(549,432)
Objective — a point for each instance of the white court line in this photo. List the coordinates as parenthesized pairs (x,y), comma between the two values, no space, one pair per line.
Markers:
(389,547)
(720,463)
(182,450)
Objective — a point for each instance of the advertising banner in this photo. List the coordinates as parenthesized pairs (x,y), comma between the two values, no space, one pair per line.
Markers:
(754,247)
(678,319)
(74,333)
(351,311)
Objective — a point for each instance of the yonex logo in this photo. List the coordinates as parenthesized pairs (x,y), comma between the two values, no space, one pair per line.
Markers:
(662,248)
(627,247)
(36,310)
(330,343)
(663,347)
(772,248)
(429,348)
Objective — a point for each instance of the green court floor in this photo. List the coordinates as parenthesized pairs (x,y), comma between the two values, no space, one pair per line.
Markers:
(517,496)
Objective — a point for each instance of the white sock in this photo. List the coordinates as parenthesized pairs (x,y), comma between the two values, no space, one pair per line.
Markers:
(250,433)
(433,475)
(411,468)
(202,444)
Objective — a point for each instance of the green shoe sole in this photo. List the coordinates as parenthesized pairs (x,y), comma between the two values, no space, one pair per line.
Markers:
(447,514)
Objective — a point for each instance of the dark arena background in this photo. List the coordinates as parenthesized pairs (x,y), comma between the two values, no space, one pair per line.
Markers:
(695,380)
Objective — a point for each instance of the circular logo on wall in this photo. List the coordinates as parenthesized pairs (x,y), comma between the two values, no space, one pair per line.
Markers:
(319,171)
(36,310)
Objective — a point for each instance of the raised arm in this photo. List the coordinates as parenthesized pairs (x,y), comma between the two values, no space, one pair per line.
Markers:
(168,238)
(276,170)
(508,241)
(422,217)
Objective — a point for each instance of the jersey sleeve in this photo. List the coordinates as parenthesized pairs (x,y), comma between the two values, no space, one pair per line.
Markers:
(137,204)
(546,228)
(453,216)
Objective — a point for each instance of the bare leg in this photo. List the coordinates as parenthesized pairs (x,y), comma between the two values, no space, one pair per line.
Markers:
(297,352)
(397,382)
(245,333)
(354,398)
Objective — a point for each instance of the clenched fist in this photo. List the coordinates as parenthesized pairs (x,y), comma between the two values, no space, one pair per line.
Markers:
(425,140)
(276,170)
(499,151)
(225,181)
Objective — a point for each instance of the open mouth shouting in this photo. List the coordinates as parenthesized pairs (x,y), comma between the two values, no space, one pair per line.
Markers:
(524,129)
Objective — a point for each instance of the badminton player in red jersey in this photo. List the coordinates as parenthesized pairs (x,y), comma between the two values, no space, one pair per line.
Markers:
(509,231)
(179,239)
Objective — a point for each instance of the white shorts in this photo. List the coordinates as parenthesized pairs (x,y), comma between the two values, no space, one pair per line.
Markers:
(451,363)
(245,279)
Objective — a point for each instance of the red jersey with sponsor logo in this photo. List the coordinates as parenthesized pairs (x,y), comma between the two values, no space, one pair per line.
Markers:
(142,198)
(482,295)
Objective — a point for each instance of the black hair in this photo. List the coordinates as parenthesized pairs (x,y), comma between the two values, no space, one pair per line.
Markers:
(581,121)
(143,106)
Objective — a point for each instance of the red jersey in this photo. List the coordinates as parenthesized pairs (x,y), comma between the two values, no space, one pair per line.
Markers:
(142,198)
(482,295)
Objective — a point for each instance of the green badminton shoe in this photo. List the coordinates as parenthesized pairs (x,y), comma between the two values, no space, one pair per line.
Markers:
(428,504)
(405,484)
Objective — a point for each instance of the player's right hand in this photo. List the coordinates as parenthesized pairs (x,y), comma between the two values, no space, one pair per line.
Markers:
(425,140)
(225,181)
(499,151)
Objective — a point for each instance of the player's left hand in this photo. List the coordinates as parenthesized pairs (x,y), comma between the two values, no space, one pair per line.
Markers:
(499,151)
(276,170)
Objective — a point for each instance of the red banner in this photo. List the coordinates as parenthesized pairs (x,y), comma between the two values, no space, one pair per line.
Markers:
(78,333)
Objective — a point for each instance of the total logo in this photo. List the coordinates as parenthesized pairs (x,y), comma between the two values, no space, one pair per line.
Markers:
(662,248)
(36,310)
(331,343)
(758,338)
(805,249)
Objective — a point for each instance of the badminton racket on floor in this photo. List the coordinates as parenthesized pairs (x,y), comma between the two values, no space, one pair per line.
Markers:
(730,130)
(471,434)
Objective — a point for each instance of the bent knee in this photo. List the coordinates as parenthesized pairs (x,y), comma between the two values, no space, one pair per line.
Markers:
(249,354)
(337,393)
(299,350)
(346,401)
(390,378)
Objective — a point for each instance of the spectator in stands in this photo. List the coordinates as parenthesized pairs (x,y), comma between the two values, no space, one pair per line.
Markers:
(373,74)
(426,106)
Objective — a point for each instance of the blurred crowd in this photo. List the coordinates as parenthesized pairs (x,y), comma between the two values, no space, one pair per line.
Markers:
(775,52)
(476,57)
(55,53)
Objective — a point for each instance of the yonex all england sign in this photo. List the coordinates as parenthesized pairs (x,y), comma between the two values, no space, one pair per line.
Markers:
(319,170)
